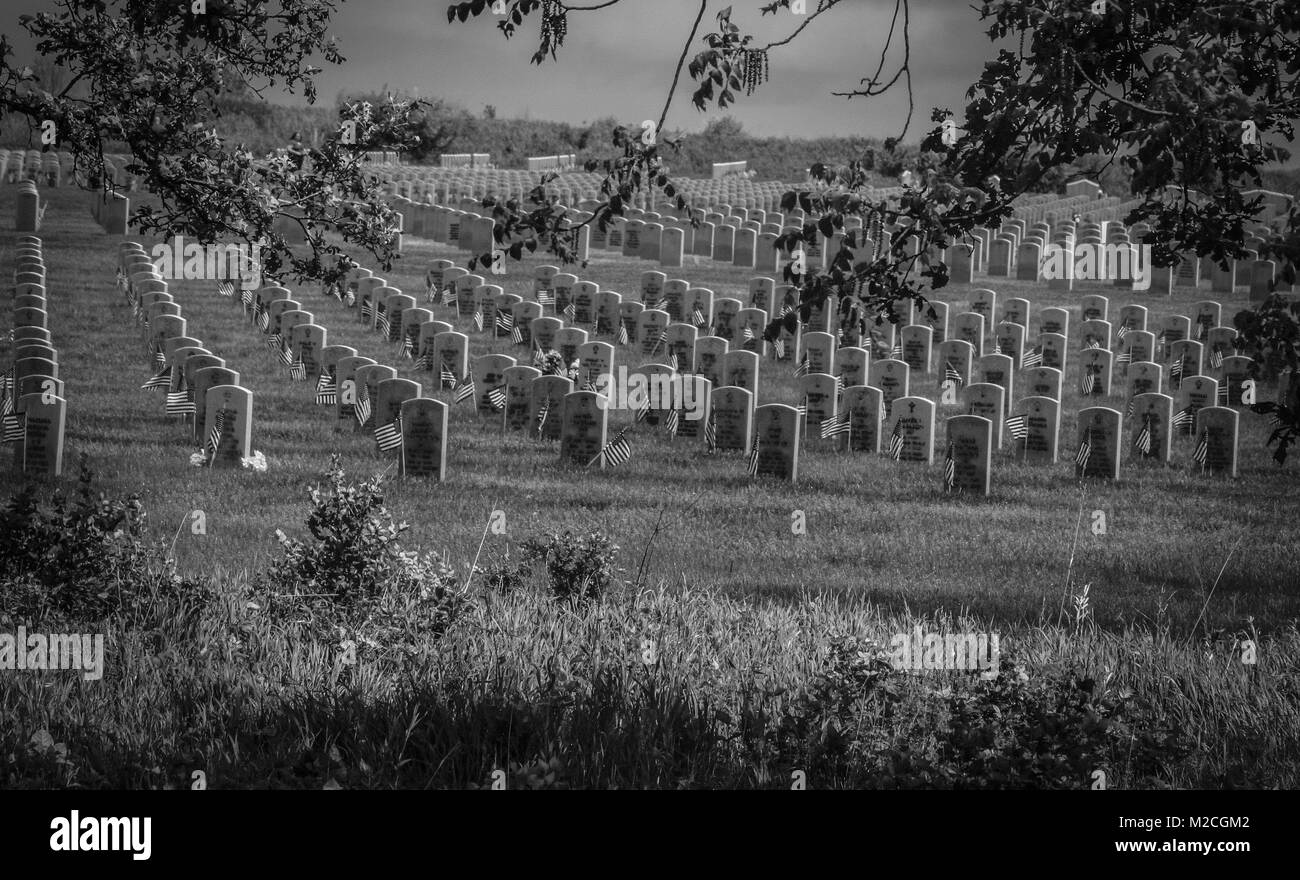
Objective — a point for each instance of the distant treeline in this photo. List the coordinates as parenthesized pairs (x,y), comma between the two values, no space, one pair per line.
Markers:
(450,128)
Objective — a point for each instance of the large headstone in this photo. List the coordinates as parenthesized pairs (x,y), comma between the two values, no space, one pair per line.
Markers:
(1102,428)
(892,377)
(424,438)
(1217,427)
(912,418)
(1095,370)
(776,431)
(584,427)
(1042,417)
(1150,433)
(547,395)
(865,408)
(41,449)
(970,445)
(740,368)
(232,407)
(988,401)
(733,416)
(519,398)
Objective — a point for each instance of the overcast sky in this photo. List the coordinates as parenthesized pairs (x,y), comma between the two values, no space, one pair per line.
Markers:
(619,62)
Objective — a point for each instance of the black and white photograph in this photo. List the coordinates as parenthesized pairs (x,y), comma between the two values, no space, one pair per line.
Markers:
(791,395)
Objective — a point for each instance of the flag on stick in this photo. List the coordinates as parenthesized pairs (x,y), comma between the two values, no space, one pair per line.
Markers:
(478,320)
(1032,358)
(801,368)
(752,465)
(1143,442)
(225,288)
(622,334)
(835,426)
(1083,454)
(389,436)
(214,433)
(896,441)
(163,379)
(179,404)
(1202,451)
(326,390)
(465,390)
(711,436)
(1088,384)
(617,451)
(949,469)
(362,410)
(497,397)
(1016,427)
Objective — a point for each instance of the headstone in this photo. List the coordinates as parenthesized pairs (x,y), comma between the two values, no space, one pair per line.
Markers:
(999,369)
(1095,370)
(1218,426)
(917,341)
(865,408)
(595,359)
(45,419)
(776,428)
(892,377)
(1151,417)
(519,399)
(489,373)
(969,327)
(733,416)
(583,428)
(988,401)
(970,446)
(234,407)
(710,359)
(387,401)
(740,369)
(1102,428)
(424,438)
(1042,417)
(548,393)
(1195,394)
(913,419)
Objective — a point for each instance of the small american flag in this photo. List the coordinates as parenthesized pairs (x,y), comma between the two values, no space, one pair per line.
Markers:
(1182,419)
(326,390)
(1216,357)
(1202,451)
(643,411)
(362,410)
(214,433)
(834,426)
(622,334)
(448,297)
(408,349)
(1125,357)
(225,288)
(801,369)
(447,377)
(1032,358)
(478,321)
(697,317)
(711,435)
(1093,343)
(1017,428)
(751,466)
(297,370)
(516,335)
(951,374)
(1083,454)
(896,353)
(246,299)
(1176,372)
(778,349)
(465,390)
(389,436)
(1128,412)
(1123,331)
(542,413)
(275,341)
(1143,442)
(505,321)
(367,312)
(949,469)
(285,355)
(545,298)
(179,404)
(617,451)
(570,311)
(895,450)
(382,325)
(11,423)
(350,299)
(673,361)
(672,422)
(496,397)
(1221,395)
(1087,384)
(163,379)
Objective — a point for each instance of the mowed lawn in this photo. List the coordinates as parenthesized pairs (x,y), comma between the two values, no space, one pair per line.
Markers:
(877,528)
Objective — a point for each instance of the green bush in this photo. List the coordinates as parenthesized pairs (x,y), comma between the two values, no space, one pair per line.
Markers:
(84,558)
(580,567)
(353,569)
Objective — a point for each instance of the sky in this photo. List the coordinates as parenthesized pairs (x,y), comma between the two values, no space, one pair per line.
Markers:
(619,62)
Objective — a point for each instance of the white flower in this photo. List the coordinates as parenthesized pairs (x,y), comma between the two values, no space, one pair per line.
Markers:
(257,461)
(198,459)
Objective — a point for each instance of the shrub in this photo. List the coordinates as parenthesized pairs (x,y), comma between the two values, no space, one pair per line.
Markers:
(580,567)
(354,569)
(84,558)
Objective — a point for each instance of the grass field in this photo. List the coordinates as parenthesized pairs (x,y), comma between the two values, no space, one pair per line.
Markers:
(1182,555)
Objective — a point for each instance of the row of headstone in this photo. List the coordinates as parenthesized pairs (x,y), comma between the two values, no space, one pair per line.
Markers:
(201,391)
(33,405)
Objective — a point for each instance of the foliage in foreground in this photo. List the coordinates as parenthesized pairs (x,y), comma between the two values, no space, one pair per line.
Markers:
(371,667)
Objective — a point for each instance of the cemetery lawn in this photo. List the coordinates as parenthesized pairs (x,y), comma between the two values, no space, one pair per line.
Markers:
(1181,558)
